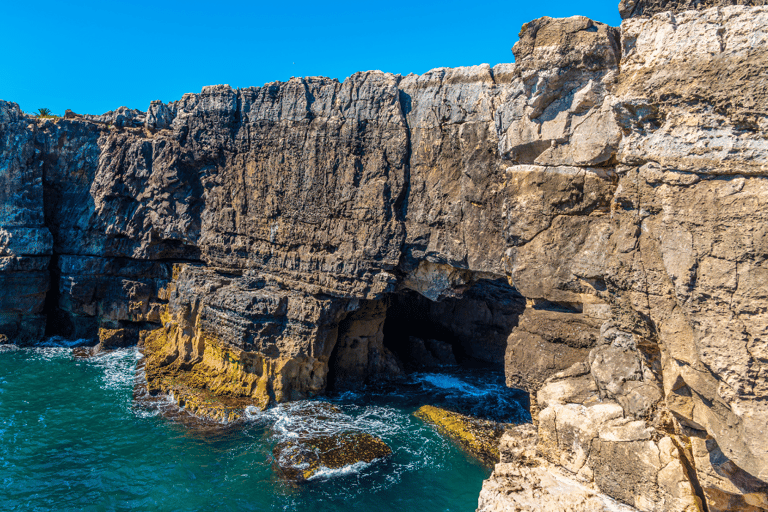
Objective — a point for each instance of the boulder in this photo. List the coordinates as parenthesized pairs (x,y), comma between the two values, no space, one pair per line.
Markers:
(477,436)
(314,456)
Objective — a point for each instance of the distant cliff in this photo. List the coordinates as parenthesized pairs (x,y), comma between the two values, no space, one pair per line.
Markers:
(593,217)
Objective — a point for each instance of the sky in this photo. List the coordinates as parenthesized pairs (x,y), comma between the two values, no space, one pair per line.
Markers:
(95,56)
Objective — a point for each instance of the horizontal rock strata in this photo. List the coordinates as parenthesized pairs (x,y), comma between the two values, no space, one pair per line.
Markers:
(595,211)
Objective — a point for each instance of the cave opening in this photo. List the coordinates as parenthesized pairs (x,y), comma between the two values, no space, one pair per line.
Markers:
(406,332)
(448,353)
(467,331)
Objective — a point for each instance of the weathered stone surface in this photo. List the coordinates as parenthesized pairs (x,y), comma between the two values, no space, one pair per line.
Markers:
(691,265)
(360,355)
(556,108)
(301,459)
(121,118)
(477,436)
(679,74)
(311,170)
(675,255)
(243,336)
(97,293)
(636,8)
(546,342)
(647,474)
(525,481)
(25,241)
(454,169)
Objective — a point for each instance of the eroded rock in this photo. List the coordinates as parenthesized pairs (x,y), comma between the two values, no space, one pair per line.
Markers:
(477,436)
(525,481)
(302,459)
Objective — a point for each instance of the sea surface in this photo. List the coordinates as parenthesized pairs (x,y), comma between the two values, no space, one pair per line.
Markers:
(72,437)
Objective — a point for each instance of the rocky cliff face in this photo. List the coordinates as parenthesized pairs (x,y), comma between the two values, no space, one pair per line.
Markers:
(590,217)
(637,8)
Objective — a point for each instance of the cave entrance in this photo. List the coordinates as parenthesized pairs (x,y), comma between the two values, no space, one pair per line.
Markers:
(470,330)
(408,332)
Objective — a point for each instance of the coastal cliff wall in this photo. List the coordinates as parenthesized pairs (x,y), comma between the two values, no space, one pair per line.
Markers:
(598,204)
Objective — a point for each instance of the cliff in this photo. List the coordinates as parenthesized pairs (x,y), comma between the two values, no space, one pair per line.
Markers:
(590,217)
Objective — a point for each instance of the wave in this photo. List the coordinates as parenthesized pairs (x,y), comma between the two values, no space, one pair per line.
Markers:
(324,473)
(451,382)
(59,342)
(415,445)
(478,394)
(118,367)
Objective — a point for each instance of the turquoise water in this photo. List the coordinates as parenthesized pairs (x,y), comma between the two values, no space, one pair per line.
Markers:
(73,438)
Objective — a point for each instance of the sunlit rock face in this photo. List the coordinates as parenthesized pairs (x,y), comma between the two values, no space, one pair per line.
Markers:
(647,8)
(590,217)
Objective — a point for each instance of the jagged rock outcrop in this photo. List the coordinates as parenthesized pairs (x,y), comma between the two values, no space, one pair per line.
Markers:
(676,364)
(25,241)
(591,217)
(523,480)
(636,8)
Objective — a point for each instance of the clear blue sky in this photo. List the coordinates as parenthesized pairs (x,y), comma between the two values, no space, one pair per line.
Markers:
(96,56)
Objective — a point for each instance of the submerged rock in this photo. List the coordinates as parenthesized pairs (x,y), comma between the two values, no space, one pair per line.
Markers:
(306,457)
(477,436)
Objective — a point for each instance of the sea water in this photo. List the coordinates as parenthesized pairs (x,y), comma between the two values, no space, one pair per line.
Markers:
(72,437)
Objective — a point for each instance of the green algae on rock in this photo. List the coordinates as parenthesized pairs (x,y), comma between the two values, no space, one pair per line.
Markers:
(304,458)
(477,436)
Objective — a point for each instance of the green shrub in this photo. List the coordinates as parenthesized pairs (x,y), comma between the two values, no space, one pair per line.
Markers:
(45,113)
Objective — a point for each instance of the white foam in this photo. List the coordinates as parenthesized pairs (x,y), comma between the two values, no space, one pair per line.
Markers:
(50,353)
(443,381)
(118,366)
(324,472)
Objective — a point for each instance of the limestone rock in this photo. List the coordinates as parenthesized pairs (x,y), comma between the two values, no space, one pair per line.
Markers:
(636,8)
(25,241)
(122,117)
(302,459)
(454,170)
(477,436)
(546,342)
(159,116)
(360,355)
(677,104)
(524,481)
(215,333)
(566,68)
(725,485)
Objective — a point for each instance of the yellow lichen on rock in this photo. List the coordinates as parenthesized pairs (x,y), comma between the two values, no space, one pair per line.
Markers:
(212,378)
(477,436)
(213,381)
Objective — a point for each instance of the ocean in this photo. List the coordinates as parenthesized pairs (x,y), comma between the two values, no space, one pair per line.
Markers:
(74,437)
